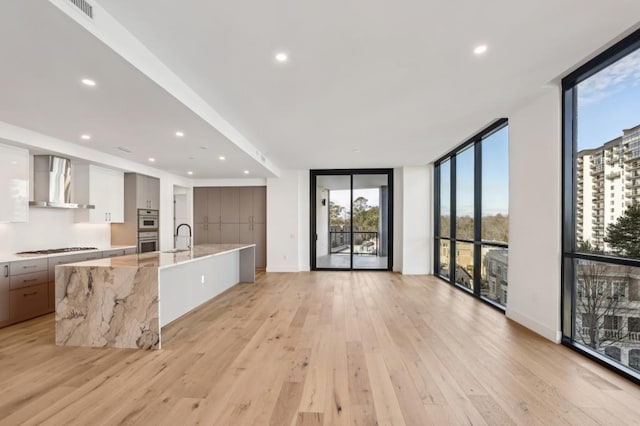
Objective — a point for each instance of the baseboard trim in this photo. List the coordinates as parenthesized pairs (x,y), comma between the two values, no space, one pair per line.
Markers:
(535,326)
(281,269)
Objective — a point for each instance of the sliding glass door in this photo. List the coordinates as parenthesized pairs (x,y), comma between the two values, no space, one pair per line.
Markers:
(351,219)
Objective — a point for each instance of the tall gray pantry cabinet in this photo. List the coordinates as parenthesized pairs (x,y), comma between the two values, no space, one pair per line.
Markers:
(232,215)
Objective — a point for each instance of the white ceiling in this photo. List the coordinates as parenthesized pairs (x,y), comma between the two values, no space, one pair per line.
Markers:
(369,83)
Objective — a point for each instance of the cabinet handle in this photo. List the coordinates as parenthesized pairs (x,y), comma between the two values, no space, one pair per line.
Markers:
(6,271)
(30,294)
(30,280)
(29,266)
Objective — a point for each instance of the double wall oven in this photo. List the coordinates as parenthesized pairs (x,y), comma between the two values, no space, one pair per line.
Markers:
(148,225)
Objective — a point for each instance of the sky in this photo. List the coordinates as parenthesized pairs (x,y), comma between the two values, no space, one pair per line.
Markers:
(608,102)
(495,177)
(343,197)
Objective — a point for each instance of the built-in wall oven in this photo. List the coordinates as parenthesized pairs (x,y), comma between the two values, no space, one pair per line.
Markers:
(147,220)
(147,241)
(148,231)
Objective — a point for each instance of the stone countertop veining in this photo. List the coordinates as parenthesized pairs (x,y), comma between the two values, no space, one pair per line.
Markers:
(159,259)
(12,257)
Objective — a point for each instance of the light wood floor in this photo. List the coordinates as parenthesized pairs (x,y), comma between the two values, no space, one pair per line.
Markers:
(317,348)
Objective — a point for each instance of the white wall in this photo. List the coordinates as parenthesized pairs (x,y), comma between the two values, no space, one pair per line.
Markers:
(52,228)
(417,236)
(535,215)
(283,217)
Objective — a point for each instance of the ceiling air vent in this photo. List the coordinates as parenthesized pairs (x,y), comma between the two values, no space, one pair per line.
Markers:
(84,6)
(123,149)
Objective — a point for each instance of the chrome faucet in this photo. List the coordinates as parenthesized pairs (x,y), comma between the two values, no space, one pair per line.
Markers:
(178,231)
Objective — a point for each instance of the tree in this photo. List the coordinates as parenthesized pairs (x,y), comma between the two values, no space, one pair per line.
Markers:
(600,314)
(624,235)
(337,214)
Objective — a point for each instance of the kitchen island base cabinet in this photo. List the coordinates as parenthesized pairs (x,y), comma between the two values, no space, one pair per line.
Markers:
(186,286)
(124,301)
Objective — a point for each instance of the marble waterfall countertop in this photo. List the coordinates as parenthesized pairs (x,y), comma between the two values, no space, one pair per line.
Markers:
(114,302)
(160,259)
(12,257)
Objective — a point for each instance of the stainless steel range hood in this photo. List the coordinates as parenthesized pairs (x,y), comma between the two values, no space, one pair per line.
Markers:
(52,183)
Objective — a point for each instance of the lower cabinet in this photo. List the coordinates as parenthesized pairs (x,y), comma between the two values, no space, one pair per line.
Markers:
(28,287)
(4,294)
(29,302)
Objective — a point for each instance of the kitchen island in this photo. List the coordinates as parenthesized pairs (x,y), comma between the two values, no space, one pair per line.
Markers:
(125,301)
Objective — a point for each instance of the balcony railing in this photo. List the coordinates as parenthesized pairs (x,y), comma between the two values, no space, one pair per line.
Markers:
(612,333)
(365,242)
(634,335)
(614,175)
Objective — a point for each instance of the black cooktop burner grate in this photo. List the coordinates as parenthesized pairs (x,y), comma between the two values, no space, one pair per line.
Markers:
(58,250)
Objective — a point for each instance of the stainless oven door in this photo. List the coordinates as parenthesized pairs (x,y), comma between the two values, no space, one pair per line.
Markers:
(147,242)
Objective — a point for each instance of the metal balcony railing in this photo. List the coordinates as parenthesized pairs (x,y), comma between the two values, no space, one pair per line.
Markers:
(364,242)
(614,175)
(612,333)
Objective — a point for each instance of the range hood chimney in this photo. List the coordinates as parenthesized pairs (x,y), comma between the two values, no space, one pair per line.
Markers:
(52,183)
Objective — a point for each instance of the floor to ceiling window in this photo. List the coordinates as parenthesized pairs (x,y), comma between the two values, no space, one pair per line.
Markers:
(601,207)
(351,219)
(472,215)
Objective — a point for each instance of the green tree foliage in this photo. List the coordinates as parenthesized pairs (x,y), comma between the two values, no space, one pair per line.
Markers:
(494,228)
(624,235)
(365,217)
(338,215)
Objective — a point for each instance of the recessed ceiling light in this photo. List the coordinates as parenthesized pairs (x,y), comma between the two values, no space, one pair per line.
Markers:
(179,134)
(189,172)
(88,82)
(152,160)
(85,137)
(221,158)
(282,57)
(246,172)
(479,50)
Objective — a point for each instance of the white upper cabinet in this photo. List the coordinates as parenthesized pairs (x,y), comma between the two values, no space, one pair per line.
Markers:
(147,192)
(104,188)
(14,184)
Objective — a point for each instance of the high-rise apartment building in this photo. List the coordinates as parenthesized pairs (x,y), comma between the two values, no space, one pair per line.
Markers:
(608,181)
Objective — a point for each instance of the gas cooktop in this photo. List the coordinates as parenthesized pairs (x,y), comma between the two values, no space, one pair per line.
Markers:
(57,250)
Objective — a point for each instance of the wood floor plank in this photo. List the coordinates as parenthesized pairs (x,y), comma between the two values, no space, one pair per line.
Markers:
(317,348)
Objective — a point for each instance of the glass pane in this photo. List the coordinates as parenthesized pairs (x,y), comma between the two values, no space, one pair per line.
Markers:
(370,221)
(465,194)
(333,222)
(464,264)
(495,187)
(495,262)
(608,160)
(445,256)
(445,198)
(607,317)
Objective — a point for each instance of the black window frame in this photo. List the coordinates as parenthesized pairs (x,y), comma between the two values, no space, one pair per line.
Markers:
(569,184)
(313,175)
(475,141)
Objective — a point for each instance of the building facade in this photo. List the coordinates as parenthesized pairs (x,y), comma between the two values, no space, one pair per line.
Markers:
(608,181)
